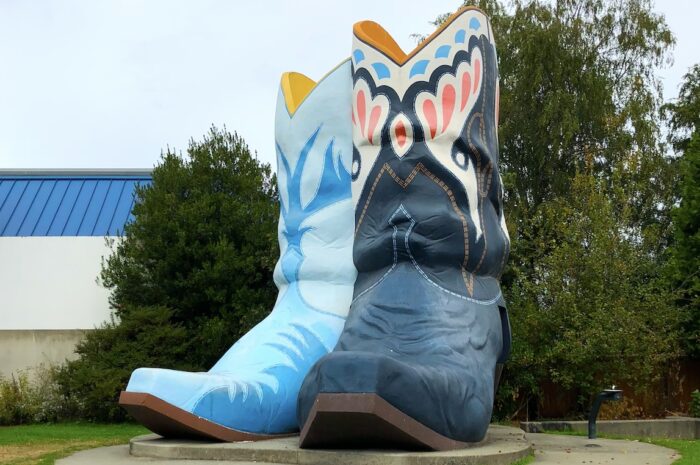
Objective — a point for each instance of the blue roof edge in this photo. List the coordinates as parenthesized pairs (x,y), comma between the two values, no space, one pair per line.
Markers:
(76,173)
(67,202)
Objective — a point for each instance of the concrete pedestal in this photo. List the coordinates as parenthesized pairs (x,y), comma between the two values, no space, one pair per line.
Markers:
(503,446)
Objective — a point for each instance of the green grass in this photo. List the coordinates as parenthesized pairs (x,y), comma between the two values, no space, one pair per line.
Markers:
(525,460)
(44,444)
(688,448)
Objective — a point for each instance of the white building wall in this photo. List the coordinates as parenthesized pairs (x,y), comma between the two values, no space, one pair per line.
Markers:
(25,350)
(50,283)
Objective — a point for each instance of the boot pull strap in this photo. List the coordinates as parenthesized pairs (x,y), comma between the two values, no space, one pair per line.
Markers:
(507,337)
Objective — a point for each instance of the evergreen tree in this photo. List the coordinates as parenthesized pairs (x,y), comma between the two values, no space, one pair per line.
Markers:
(685,252)
(684,264)
(191,274)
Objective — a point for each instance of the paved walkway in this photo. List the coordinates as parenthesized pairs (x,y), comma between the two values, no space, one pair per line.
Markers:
(119,455)
(550,449)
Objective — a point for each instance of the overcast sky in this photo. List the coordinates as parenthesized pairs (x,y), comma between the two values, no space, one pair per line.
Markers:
(108,84)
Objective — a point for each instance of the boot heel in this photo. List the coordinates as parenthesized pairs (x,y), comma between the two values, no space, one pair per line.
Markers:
(497,378)
(366,420)
(505,352)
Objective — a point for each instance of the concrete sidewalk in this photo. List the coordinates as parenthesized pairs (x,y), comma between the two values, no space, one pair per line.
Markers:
(555,449)
(119,455)
(550,449)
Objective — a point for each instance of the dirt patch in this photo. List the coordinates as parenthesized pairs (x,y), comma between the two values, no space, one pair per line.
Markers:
(28,454)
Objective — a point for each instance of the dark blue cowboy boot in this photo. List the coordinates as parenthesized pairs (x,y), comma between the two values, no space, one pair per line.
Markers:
(417,362)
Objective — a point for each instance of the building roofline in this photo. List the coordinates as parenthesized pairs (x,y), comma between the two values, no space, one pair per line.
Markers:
(79,172)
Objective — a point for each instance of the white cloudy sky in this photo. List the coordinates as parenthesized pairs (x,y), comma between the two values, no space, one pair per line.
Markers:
(108,84)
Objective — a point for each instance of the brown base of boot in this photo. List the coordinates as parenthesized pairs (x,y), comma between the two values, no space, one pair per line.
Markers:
(172,422)
(365,421)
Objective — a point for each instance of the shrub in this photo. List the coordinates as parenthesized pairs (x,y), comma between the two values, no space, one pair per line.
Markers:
(109,354)
(590,308)
(15,404)
(626,409)
(695,404)
(34,396)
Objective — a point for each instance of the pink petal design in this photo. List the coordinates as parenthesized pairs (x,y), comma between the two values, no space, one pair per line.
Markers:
(448,105)
(400,132)
(477,75)
(373,120)
(361,110)
(466,89)
(431,116)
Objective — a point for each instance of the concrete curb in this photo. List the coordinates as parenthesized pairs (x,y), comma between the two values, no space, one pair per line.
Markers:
(668,428)
(503,446)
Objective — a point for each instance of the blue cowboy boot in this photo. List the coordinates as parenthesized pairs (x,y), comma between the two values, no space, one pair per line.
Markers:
(417,360)
(251,392)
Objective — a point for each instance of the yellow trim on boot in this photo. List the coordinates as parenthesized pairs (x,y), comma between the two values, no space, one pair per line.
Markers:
(376,36)
(295,88)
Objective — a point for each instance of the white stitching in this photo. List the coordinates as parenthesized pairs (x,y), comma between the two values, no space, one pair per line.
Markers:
(415,263)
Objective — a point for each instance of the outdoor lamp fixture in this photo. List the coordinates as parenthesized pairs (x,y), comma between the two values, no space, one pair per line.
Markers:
(606,395)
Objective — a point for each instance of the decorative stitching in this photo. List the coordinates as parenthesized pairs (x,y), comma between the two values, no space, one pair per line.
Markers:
(484,170)
(424,274)
(396,259)
(420,168)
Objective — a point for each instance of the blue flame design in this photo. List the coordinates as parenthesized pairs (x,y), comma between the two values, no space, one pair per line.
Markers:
(232,405)
(302,334)
(333,187)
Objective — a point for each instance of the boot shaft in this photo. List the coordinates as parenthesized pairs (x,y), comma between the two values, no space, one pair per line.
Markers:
(313,140)
(426,186)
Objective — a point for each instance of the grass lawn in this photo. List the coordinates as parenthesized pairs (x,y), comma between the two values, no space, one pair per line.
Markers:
(43,444)
(688,448)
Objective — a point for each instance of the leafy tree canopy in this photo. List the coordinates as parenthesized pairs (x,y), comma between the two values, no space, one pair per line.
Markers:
(589,191)
(684,263)
(684,113)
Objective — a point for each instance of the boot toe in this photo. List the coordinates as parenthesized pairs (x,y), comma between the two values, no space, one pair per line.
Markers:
(438,397)
(178,388)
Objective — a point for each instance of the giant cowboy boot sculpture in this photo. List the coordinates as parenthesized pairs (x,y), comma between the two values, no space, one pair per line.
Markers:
(417,360)
(251,392)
